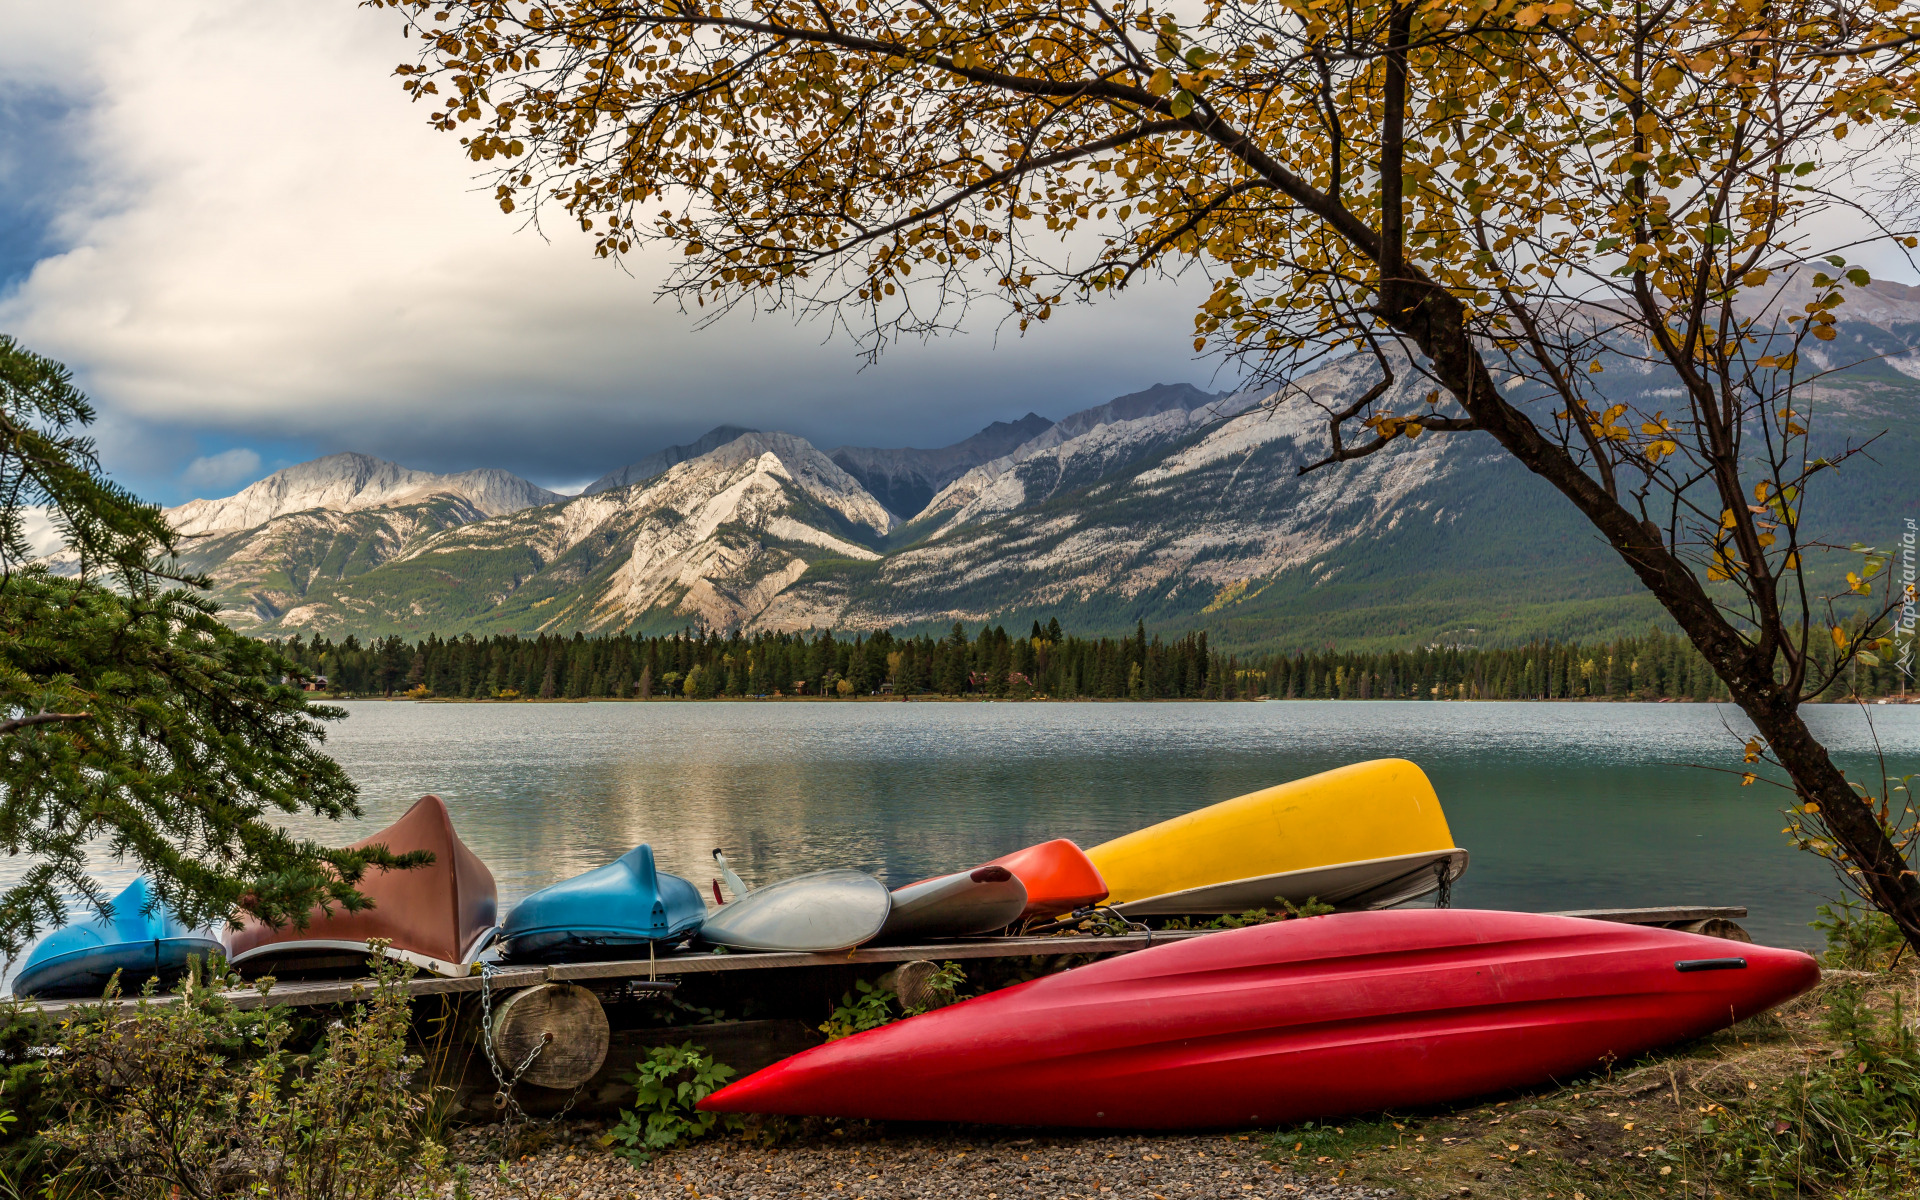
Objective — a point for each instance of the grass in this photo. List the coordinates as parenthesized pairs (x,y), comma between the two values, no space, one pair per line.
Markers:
(1679,1124)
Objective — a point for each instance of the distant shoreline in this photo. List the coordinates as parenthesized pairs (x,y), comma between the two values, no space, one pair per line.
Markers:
(935,698)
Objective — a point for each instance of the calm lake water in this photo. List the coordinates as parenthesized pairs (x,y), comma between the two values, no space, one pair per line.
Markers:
(1561,805)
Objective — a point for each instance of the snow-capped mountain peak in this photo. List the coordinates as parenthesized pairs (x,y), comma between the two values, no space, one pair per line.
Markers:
(352,482)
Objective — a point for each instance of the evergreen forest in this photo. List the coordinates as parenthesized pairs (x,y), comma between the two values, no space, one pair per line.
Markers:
(991,663)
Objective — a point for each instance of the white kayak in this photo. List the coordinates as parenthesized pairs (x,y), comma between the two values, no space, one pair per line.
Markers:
(821,911)
(1369,883)
(963,904)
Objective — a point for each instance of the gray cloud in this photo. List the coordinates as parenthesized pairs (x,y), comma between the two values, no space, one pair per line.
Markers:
(272,249)
(212,472)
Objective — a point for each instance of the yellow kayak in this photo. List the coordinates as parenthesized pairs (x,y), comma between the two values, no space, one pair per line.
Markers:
(1363,836)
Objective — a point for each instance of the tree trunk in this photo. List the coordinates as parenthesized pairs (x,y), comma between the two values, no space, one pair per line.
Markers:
(1437,324)
(1890,883)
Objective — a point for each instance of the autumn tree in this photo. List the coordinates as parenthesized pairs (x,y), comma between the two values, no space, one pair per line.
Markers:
(1484,202)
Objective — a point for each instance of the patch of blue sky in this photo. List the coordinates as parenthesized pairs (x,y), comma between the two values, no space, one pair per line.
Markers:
(40,168)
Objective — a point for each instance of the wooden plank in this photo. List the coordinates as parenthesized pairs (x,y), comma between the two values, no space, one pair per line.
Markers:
(702,964)
(1654,916)
(306,994)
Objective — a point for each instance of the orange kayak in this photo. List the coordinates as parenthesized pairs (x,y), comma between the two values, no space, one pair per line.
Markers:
(1058,875)
(437,916)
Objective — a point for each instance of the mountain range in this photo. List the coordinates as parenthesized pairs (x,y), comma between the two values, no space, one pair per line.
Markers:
(1172,506)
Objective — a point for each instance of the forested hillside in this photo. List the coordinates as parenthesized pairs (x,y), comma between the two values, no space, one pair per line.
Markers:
(992,663)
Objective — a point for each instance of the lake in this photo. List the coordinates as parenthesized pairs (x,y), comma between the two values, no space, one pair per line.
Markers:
(1561,805)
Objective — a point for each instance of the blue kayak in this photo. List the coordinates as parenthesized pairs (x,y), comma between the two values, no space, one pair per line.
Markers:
(142,939)
(603,913)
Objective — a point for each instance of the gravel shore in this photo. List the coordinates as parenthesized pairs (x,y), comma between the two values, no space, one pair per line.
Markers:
(864,1164)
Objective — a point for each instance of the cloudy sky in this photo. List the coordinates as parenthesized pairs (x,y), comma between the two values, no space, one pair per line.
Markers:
(224,216)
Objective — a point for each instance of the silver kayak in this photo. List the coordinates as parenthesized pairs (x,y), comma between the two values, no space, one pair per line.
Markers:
(1368,883)
(964,904)
(825,910)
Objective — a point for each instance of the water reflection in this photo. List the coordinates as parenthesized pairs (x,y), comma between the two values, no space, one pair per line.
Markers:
(1562,805)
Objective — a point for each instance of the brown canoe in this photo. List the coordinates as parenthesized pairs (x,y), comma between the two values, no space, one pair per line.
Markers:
(436,917)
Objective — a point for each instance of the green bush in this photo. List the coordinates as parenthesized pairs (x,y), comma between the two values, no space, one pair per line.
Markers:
(668,1085)
(201,1098)
(871,1005)
(1859,938)
(1851,1126)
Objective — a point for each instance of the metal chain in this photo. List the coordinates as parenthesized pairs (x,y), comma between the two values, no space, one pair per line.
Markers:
(1443,871)
(504,1097)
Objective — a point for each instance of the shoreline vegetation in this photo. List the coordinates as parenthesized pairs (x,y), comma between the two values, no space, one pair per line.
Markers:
(1048,664)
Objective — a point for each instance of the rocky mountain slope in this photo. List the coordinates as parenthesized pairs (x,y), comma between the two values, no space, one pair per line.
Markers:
(1077,452)
(333,518)
(1172,506)
(350,483)
(904,480)
(710,542)
(657,463)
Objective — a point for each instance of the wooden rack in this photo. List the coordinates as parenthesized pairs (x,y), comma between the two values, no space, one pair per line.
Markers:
(638,971)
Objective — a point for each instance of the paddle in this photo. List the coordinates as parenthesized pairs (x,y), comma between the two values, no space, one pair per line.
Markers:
(733,881)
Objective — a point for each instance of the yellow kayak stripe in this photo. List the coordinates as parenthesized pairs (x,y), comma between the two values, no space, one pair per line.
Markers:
(1369,810)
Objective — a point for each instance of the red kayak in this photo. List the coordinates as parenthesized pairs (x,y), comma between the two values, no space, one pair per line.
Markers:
(1058,875)
(1277,1023)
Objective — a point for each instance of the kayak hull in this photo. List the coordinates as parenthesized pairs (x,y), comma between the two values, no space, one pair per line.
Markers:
(1277,1023)
(438,916)
(817,912)
(964,904)
(1360,813)
(1058,876)
(608,911)
(1376,883)
(141,941)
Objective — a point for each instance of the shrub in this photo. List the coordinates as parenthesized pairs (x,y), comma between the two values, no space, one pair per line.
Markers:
(1853,1123)
(668,1085)
(200,1098)
(871,1005)
(1859,938)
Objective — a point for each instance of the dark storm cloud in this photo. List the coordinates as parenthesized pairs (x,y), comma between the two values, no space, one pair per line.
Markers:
(264,252)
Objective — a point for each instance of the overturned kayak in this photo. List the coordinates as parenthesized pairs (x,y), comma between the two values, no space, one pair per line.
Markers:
(606,912)
(1058,876)
(1370,883)
(964,904)
(1277,1023)
(437,917)
(1362,836)
(824,910)
(141,940)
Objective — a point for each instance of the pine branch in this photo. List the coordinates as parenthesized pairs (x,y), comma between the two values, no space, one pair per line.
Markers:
(41,718)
